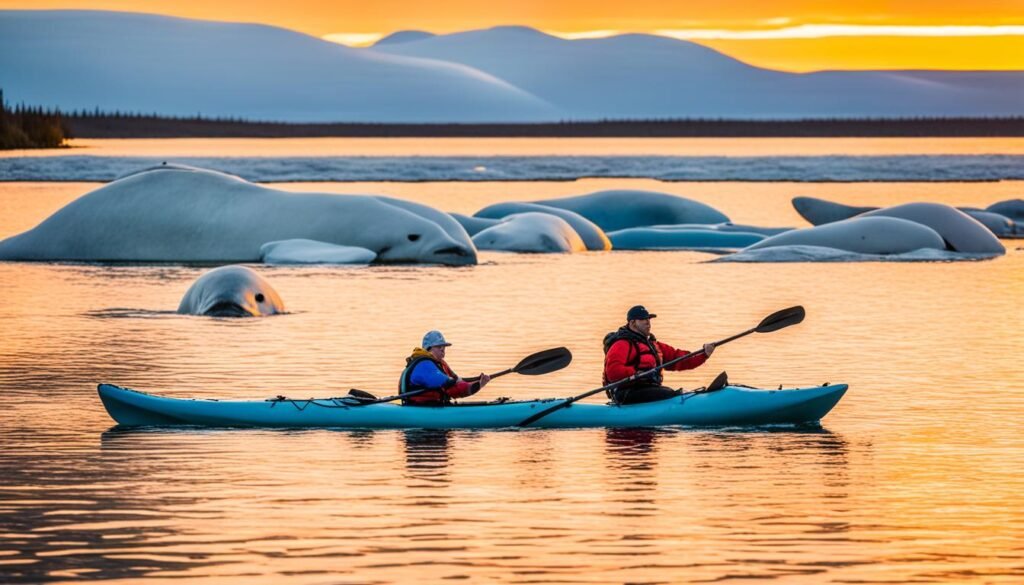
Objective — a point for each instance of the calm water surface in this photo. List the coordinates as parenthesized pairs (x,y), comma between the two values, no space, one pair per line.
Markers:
(914,477)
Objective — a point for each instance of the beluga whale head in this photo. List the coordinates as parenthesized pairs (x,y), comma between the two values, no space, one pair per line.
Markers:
(426,242)
(231,291)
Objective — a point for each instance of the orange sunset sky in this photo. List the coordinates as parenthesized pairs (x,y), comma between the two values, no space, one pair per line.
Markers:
(793,35)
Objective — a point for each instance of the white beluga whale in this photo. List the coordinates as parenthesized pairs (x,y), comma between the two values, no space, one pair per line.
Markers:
(819,212)
(231,291)
(592,235)
(175,214)
(621,209)
(961,232)
(530,232)
(448,223)
(313,252)
(863,235)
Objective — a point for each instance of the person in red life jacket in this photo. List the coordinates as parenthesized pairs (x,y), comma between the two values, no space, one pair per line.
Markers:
(633,349)
(426,370)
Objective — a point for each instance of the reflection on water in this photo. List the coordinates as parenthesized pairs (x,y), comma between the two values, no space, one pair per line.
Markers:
(426,456)
(913,478)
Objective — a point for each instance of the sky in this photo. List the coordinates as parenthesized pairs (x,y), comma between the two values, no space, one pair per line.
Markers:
(791,35)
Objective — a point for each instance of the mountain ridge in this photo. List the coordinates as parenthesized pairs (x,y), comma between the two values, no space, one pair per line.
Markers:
(171,66)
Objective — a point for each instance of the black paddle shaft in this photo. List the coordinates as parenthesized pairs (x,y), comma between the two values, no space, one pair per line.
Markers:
(773,322)
(542,362)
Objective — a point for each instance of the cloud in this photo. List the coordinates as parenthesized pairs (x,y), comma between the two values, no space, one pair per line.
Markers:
(814,31)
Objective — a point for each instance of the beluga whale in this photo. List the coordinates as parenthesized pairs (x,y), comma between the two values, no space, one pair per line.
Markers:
(231,291)
(592,235)
(820,212)
(961,232)
(531,232)
(621,208)
(862,235)
(174,213)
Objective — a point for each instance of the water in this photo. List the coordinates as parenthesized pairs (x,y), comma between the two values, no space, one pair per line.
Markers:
(914,477)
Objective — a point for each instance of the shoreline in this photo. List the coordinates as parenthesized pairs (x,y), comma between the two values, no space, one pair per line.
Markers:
(110,126)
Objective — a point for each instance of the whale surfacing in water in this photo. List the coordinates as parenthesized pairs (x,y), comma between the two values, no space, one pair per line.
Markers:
(530,232)
(621,209)
(593,236)
(180,214)
(863,235)
(231,291)
(961,232)
(820,212)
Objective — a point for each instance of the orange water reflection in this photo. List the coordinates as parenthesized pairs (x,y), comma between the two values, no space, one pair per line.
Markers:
(914,477)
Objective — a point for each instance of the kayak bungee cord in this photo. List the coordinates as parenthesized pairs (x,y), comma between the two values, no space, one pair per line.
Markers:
(337,402)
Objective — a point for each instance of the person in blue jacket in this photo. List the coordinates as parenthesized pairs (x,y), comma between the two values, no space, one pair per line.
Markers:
(427,373)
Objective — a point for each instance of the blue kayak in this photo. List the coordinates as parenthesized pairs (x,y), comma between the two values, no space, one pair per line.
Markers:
(732,405)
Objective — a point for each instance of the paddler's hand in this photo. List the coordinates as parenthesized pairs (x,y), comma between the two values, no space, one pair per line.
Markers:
(484,379)
(709,348)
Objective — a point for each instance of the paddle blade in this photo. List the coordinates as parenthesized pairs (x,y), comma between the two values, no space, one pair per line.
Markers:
(361,394)
(720,381)
(781,319)
(544,362)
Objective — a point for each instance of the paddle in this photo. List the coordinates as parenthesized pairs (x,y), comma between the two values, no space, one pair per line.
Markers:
(773,322)
(720,381)
(536,364)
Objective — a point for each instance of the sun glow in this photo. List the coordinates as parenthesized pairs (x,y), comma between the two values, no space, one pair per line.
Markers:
(791,35)
(354,39)
(817,31)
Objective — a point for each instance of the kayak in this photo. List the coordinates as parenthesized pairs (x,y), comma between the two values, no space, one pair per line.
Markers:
(731,405)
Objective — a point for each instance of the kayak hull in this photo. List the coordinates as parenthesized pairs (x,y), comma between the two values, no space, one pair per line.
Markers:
(732,405)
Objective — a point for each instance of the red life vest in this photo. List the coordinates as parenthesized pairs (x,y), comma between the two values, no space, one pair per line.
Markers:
(638,348)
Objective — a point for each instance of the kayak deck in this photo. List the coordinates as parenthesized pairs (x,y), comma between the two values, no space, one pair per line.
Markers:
(732,405)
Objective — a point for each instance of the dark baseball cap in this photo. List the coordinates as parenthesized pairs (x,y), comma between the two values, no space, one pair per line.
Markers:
(639,312)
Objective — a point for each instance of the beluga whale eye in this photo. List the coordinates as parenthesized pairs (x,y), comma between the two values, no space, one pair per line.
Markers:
(413,237)
(260,298)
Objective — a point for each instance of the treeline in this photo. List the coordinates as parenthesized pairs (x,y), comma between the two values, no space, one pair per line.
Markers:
(98,124)
(31,127)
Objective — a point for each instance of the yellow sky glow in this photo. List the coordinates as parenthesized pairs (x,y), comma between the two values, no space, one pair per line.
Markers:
(792,35)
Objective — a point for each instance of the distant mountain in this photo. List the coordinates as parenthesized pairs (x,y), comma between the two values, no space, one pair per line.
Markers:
(647,76)
(404,36)
(173,66)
